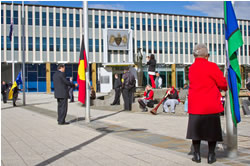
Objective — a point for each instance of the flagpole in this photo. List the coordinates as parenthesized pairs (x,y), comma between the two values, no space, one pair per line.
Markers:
(12,45)
(23,50)
(86,41)
(231,129)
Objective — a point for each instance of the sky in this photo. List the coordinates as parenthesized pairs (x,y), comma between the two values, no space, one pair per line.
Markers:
(196,8)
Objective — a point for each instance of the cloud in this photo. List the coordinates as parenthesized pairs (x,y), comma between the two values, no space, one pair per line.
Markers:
(103,6)
(215,9)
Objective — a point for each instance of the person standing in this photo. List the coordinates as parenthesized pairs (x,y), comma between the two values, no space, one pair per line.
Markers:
(158,81)
(117,87)
(204,103)
(4,89)
(15,95)
(128,84)
(151,62)
(71,91)
(61,93)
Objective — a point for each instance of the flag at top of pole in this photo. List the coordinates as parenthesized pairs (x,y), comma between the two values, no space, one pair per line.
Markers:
(233,42)
(11,30)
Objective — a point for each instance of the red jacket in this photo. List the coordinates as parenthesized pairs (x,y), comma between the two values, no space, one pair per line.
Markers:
(206,80)
(150,95)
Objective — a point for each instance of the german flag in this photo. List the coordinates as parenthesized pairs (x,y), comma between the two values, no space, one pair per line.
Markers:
(81,74)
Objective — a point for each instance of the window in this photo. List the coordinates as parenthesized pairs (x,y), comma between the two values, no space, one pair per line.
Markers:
(51,44)
(109,21)
(210,47)
(8,43)
(205,28)
(44,44)
(8,17)
(15,18)
(96,21)
(64,44)
(71,44)
(214,28)
(102,45)
(190,27)
(160,47)
(50,19)
(195,27)
(223,29)
(103,21)
(245,30)
(185,26)
(29,18)
(170,26)
(30,40)
(245,50)
(186,48)
(37,18)
(90,45)
(120,22)
(171,47)
(155,47)
(175,26)
(165,25)
(37,43)
(219,49)
(57,19)
(132,23)
(2,42)
(114,22)
(15,43)
(160,25)
(90,21)
(64,20)
(181,47)
(144,45)
(138,44)
(44,18)
(143,24)
(191,48)
(77,20)
(248,30)
(126,22)
(96,45)
(154,24)
(149,46)
(200,27)
(166,47)
(149,24)
(241,51)
(219,28)
(180,25)
(1,16)
(57,44)
(137,23)
(176,47)
(78,44)
(70,20)
(210,28)
(215,50)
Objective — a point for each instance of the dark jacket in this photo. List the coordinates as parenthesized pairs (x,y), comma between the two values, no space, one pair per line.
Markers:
(128,81)
(152,64)
(4,88)
(15,92)
(61,85)
(117,84)
(174,95)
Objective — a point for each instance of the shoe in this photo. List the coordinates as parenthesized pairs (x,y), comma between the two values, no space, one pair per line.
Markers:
(14,105)
(197,157)
(145,110)
(165,111)
(64,123)
(112,104)
(211,158)
(173,112)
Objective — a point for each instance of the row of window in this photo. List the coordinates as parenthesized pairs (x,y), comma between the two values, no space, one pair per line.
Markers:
(44,44)
(44,18)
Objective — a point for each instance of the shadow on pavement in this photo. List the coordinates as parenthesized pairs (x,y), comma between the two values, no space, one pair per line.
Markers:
(105,131)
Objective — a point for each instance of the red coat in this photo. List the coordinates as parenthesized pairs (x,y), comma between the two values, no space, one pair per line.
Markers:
(206,80)
(150,95)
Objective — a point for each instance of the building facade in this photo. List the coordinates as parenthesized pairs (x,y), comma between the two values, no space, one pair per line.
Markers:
(53,35)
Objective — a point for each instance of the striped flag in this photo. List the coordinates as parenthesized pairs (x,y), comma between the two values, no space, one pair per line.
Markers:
(11,30)
(81,74)
(233,42)
(15,84)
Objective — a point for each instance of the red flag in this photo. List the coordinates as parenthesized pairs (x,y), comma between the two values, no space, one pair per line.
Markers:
(81,74)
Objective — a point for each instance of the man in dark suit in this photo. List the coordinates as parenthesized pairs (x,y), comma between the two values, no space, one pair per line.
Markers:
(117,87)
(61,93)
(4,91)
(71,91)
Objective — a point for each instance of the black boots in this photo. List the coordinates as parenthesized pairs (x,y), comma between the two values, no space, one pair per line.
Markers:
(197,157)
(211,158)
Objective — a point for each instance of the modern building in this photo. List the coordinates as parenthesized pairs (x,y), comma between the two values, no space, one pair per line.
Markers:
(53,35)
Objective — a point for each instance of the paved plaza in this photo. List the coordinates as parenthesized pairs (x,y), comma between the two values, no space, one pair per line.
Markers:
(31,136)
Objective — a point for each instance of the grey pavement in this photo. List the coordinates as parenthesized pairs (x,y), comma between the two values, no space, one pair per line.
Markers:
(31,136)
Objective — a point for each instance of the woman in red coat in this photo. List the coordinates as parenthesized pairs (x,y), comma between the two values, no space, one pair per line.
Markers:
(204,103)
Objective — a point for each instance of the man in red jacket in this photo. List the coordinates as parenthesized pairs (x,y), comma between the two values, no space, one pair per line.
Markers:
(204,103)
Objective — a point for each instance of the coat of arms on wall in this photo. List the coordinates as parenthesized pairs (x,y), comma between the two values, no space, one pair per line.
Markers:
(118,40)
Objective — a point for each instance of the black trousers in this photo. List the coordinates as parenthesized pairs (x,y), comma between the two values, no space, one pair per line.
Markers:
(71,96)
(4,97)
(127,97)
(62,109)
(117,96)
(14,100)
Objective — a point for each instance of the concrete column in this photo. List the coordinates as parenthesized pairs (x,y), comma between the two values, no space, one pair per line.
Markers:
(48,79)
(173,68)
(94,75)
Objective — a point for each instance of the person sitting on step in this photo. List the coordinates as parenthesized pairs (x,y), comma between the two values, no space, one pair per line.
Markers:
(148,99)
(172,100)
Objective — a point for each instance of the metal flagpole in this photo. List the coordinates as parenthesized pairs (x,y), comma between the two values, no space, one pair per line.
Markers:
(23,49)
(86,42)
(231,129)
(12,45)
